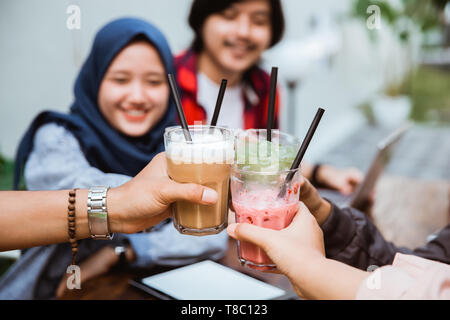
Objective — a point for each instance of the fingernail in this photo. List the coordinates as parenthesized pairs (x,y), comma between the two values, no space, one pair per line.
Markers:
(209,196)
(231,229)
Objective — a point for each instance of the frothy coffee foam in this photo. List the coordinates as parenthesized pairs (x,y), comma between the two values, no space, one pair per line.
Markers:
(205,147)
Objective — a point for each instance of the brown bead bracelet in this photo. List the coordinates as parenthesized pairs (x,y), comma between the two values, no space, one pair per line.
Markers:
(71,224)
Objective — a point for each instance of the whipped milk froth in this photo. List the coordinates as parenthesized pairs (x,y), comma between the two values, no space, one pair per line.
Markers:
(207,146)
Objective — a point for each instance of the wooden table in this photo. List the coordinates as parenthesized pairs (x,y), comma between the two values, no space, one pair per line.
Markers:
(405,210)
(408,210)
(115,285)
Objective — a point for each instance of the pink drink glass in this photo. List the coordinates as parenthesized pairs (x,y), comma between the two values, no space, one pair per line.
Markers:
(255,200)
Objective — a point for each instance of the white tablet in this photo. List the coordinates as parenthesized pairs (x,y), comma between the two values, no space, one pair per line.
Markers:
(208,280)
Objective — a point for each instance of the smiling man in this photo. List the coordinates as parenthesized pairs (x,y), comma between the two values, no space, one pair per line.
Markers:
(229,39)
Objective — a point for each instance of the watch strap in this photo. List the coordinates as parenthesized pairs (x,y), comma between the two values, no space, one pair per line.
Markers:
(98,213)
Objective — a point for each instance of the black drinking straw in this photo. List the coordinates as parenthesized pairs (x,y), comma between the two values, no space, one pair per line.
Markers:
(271,107)
(179,107)
(302,150)
(215,116)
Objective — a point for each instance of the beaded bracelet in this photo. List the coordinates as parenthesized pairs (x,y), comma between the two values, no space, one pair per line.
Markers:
(71,224)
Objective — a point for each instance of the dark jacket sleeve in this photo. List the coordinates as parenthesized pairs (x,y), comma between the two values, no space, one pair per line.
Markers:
(350,237)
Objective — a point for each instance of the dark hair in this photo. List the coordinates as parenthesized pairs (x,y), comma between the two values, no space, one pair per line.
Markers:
(201,9)
(139,37)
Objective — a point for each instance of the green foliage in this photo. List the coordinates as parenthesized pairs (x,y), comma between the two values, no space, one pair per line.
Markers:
(367,111)
(430,95)
(429,91)
(440,4)
(6,173)
(424,13)
(4,265)
(387,11)
(2,163)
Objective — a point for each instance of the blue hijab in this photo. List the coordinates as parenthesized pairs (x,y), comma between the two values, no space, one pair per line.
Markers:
(103,146)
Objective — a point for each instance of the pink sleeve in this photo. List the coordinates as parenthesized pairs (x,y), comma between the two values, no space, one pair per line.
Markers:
(409,277)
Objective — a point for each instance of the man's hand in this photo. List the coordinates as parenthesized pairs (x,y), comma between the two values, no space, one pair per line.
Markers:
(319,207)
(343,180)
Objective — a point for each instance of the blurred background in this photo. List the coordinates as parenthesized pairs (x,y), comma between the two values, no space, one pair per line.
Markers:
(366,67)
(371,64)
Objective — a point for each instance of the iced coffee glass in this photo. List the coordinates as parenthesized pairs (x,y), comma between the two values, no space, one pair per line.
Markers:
(257,178)
(205,160)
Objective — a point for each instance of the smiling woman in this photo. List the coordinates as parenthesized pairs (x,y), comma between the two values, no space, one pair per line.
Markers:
(133,95)
(113,131)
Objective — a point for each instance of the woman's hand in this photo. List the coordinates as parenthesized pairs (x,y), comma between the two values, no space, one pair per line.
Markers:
(144,200)
(292,249)
(343,180)
(298,252)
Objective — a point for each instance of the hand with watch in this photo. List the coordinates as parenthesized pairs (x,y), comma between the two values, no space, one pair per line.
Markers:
(142,202)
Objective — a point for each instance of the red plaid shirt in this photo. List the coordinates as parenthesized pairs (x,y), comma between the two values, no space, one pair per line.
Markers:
(255,97)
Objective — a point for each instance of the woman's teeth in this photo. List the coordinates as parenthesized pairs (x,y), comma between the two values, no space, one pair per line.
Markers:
(135,113)
(236,46)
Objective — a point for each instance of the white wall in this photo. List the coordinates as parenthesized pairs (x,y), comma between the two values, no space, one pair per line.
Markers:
(40,56)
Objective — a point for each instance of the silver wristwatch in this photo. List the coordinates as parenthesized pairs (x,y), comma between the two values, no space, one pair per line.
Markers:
(98,213)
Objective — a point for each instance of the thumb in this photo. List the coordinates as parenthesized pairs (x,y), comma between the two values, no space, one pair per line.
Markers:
(309,195)
(250,233)
(173,191)
(346,189)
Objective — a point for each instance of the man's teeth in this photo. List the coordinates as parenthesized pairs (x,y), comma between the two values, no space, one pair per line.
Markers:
(238,47)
